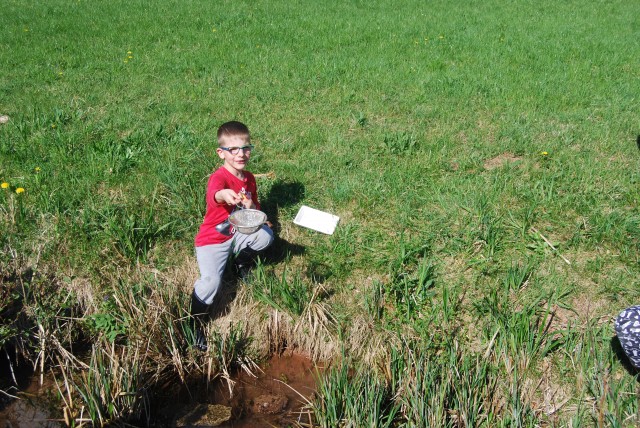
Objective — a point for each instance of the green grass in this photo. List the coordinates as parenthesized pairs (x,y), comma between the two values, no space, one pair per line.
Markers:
(456,141)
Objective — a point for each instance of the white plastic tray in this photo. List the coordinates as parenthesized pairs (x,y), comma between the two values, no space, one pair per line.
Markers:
(316,220)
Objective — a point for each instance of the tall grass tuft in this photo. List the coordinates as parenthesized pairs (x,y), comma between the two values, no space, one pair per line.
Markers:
(232,350)
(374,301)
(352,396)
(291,295)
(132,233)
(113,387)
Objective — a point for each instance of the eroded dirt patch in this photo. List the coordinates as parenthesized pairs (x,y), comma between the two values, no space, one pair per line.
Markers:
(501,160)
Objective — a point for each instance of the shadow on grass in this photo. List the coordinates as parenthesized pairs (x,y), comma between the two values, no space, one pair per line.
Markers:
(622,357)
(281,195)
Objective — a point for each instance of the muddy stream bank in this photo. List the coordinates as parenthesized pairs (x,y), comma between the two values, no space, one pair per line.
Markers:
(275,397)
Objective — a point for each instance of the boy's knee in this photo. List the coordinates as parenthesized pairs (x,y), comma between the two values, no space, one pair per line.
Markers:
(263,239)
(206,289)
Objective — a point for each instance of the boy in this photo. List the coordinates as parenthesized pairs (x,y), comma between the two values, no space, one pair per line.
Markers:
(230,187)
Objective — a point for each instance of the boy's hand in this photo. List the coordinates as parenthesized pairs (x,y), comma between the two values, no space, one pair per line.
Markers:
(247,202)
(228,196)
(232,198)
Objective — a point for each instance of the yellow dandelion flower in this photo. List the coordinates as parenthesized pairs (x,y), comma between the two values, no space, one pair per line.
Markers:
(37,169)
(4,185)
(544,153)
(20,190)
(213,30)
(129,57)
(129,52)
(53,126)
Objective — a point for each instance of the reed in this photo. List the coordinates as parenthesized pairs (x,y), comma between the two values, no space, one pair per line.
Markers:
(353,397)
(112,388)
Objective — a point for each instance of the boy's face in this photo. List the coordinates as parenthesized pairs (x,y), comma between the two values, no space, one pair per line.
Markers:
(228,144)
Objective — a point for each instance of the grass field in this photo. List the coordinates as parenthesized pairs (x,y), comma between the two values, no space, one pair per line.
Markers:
(482,156)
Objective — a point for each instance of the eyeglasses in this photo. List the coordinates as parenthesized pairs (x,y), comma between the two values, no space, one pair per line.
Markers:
(236,150)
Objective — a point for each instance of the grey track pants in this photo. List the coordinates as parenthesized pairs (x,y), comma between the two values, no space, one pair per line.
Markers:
(212,260)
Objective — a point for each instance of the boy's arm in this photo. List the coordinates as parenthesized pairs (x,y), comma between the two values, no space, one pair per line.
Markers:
(215,185)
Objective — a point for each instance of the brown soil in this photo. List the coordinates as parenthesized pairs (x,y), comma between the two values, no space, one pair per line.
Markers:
(269,404)
(275,397)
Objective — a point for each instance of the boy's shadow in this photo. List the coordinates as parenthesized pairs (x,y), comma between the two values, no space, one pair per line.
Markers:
(622,357)
(282,194)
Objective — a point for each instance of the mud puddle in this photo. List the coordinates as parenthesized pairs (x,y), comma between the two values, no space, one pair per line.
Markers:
(29,410)
(275,397)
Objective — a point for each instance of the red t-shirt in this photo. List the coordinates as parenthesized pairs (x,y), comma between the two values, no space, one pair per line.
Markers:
(218,212)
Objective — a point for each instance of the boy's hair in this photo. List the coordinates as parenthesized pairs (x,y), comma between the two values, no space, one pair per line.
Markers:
(233,129)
